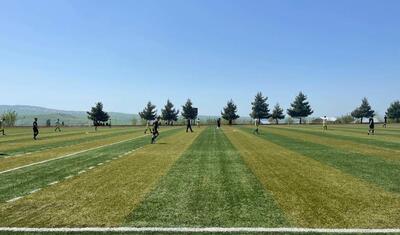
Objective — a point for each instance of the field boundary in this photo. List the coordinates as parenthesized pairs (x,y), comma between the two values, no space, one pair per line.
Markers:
(203,230)
(69,155)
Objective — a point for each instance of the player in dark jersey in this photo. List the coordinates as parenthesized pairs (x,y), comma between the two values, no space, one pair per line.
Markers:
(218,123)
(2,121)
(35,129)
(58,126)
(189,125)
(371,126)
(156,125)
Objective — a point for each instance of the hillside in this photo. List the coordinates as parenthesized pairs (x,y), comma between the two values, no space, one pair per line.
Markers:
(26,114)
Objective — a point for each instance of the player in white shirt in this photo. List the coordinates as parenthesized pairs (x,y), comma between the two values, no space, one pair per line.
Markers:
(325,123)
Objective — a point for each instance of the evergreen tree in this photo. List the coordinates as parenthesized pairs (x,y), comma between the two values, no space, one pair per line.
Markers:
(357,114)
(149,112)
(277,113)
(97,115)
(188,111)
(229,112)
(300,107)
(169,113)
(393,111)
(364,111)
(260,107)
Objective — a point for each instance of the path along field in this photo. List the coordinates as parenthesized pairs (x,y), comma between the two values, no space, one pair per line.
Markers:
(288,176)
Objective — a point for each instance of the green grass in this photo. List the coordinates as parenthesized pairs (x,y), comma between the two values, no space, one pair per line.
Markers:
(208,186)
(291,176)
(373,169)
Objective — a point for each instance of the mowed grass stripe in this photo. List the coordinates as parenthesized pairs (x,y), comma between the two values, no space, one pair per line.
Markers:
(22,181)
(39,145)
(349,146)
(47,134)
(13,162)
(362,139)
(103,196)
(370,168)
(314,194)
(208,186)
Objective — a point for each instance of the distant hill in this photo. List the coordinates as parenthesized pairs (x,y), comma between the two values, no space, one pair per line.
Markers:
(26,114)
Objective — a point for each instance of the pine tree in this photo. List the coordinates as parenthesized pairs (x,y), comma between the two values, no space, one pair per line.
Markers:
(229,112)
(169,113)
(97,115)
(364,111)
(149,112)
(393,112)
(260,107)
(277,113)
(300,107)
(188,111)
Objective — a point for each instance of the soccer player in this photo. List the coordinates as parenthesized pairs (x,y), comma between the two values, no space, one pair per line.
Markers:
(2,120)
(385,121)
(218,123)
(58,125)
(198,122)
(35,129)
(156,124)
(371,126)
(256,123)
(189,125)
(325,123)
(147,127)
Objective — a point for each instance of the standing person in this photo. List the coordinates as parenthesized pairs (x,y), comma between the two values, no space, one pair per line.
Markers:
(325,123)
(35,129)
(218,123)
(385,121)
(58,125)
(371,126)
(198,122)
(109,124)
(189,125)
(156,125)
(147,127)
(257,124)
(2,120)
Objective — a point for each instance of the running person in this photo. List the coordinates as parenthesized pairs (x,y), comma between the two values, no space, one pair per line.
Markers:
(35,129)
(2,120)
(385,121)
(324,123)
(371,126)
(156,124)
(189,125)
(58,125)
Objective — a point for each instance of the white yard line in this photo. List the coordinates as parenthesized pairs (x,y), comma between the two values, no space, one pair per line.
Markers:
(69,177)
(34,191)
(81,172)
(53,183)
(14,199)
(68,155)
(202,230)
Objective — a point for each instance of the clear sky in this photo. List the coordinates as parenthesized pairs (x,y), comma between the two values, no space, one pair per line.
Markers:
(70,54)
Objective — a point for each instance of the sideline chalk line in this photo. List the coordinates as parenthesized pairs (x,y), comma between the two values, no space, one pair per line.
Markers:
(69,155)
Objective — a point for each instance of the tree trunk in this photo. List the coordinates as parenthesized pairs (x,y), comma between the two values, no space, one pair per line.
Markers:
(276,120)
(300,121)
(361,120)
(397,120)
(230,122)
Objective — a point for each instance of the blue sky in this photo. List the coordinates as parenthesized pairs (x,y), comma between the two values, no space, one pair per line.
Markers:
(70,54)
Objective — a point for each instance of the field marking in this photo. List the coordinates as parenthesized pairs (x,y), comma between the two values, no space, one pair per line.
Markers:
(203,230)
(34,191)
(14,199)
(68,155)
(53,183)
(69,177)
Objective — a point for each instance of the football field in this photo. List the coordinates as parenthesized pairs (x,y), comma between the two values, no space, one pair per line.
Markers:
(213,180)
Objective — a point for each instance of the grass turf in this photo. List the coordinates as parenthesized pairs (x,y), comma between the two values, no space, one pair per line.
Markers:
(208,186)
